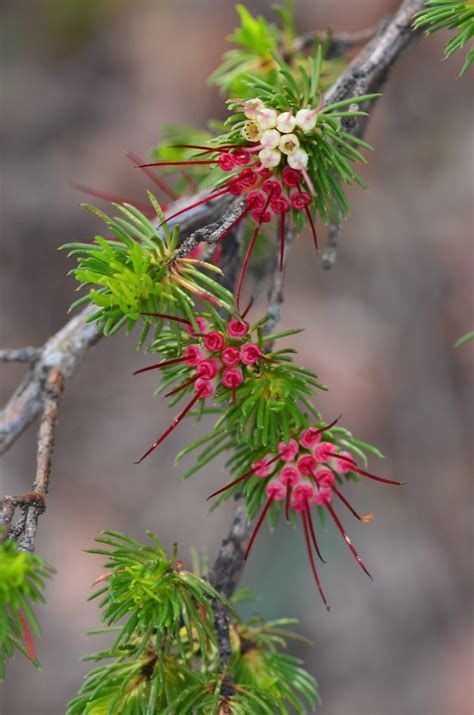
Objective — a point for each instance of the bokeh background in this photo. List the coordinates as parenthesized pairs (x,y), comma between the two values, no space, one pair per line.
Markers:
(85,81)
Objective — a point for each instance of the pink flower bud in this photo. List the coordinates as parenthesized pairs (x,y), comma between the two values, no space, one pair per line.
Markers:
(303,491)
(248,177)
(288,451)
(324,451)
(226,161)
(280,205)
(307,465)
(204,387)
(232,378)
(200,322)
(236,188)
(344,466)
(262,468)
(242,157)
(237,328)
(207,369)
(230,356)
(256,200)
(325,477)
(214,341)
(289,476)
(300,199)
(193,355)
(250,354)
(261,216)
(290,177)
(324,496)
(309,437)
(271,187)
(275,490)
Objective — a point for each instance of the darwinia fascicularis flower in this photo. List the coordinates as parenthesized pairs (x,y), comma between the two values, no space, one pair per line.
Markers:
(305,473)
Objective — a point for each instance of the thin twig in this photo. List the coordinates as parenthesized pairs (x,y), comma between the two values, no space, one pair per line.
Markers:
(26,354)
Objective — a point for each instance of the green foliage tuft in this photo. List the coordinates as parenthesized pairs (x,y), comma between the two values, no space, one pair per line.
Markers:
(22,577)
(165,659)
(450,15)
(138,270)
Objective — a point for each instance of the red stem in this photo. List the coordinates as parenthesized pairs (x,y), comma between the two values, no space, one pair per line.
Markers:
(237,220)
(239,479)
(282,241)
(311,531)
(165,316)
(193,206)
(182,387)
(313,228)
(346,503)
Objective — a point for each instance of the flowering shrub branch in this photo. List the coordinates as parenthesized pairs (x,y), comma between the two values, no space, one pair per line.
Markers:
(293,134)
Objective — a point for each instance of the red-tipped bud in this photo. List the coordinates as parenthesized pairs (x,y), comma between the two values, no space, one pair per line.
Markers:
(280,205)
(288,451)
(248,177)
(325,478)
(290,177)
(310,437)
(324,451)
(226,162)
(204,388)
(250,354)
(237,328)
(275,490)
(207,369)
(193,355)
(271,187)
(300,199)
(307,465)
(261,216)
(200,322)
(242,157)
(230,356)
(256,200)
(232,378)
(289,476)
(323,497)
(214,341)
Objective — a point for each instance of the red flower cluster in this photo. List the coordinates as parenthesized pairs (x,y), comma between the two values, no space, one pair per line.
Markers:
(218,358)
(304,474)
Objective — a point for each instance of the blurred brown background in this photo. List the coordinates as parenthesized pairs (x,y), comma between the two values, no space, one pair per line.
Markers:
(85,81)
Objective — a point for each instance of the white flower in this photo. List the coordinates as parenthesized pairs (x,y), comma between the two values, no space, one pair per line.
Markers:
(269,158)
(298,159)
(306,119)
(252,107)
(251,132)
(270,139)
(286,122)
(266,118)
(288,143)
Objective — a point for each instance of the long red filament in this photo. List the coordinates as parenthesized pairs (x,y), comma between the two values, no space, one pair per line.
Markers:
(311,558)
(165,316)
(172,426)
(346,503)
(158,365)
(313,228)
(282,241)
(245,263)
(156,180)
(244,314)
(355,468)
(193,206)
(106,196)
(182,387)
(347,540)
(239,479)
(312,532)
(331,424)
(177,163)
(207,149)
(27,637)
(287,504)
(257,527)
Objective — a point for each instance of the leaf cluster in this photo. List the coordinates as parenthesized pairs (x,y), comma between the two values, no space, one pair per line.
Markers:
(22,580)
(450,15)
(257,40)
(165,658)
(137,270)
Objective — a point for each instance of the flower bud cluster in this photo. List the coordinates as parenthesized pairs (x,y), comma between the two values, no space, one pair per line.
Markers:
(304,471)
(220,357)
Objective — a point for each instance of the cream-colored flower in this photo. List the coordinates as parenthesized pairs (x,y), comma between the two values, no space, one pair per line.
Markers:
(270,139)
(252,107)
(269,158)
(286,122)
(306,119)
(266,118)
(251,132)
(298,159)
(288,143)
